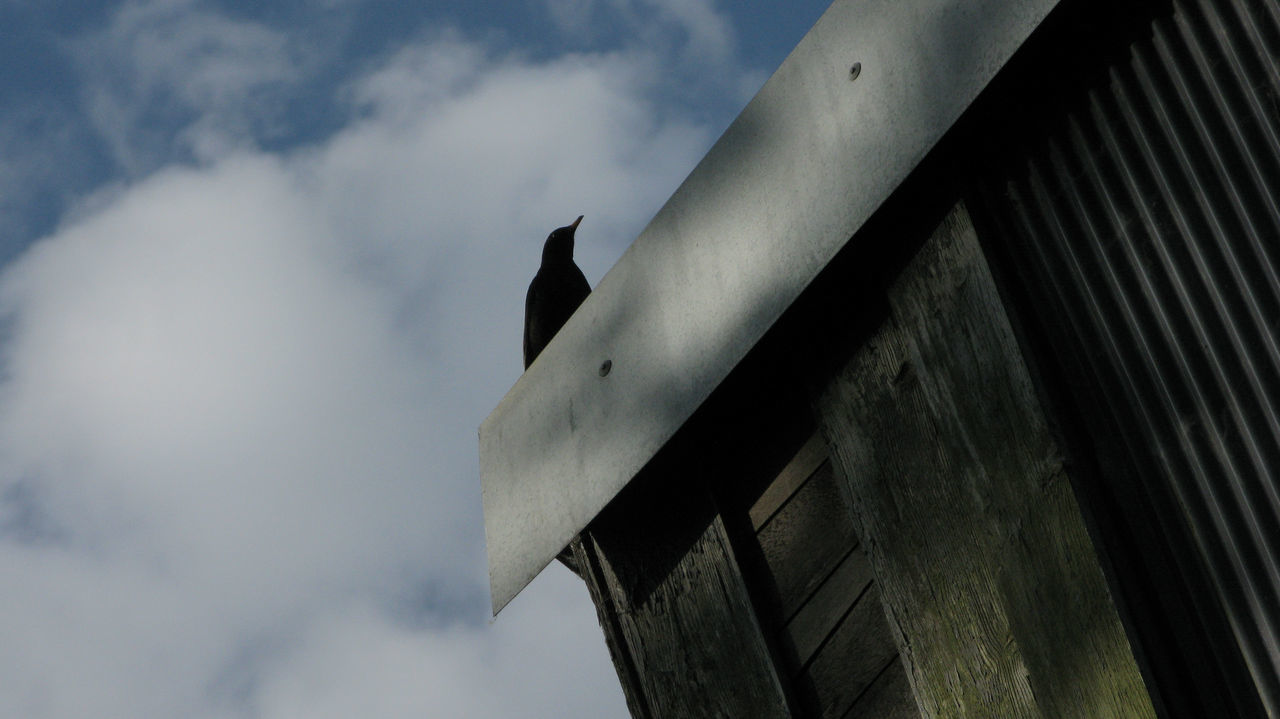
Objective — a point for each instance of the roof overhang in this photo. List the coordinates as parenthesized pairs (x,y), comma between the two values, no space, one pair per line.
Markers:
(808,161)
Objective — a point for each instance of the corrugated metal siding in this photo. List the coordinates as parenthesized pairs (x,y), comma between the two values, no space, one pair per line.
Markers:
(1150,229)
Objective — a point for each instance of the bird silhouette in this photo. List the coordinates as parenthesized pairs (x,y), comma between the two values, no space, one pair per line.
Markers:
(556,291)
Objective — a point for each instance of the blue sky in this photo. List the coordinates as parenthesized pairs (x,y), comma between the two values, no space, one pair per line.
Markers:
(262,269)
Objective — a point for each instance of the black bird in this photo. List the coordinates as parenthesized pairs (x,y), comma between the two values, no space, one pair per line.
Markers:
(556,291)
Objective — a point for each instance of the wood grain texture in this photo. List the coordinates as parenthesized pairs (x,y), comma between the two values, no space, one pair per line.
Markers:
(889,697)
(799,469)
(587,557)
(668,588)
(807,537)
(814,621)
(857,651)
(816,589)
(994,593)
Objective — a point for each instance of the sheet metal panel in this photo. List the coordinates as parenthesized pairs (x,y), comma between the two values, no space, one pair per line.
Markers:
(1152,224)
(803,166)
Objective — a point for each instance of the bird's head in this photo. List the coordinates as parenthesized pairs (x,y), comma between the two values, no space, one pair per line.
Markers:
(559,246)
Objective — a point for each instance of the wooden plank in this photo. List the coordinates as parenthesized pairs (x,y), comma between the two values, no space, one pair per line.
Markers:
(586,556)
(851,659)
(997,600)
(808,459)
(889,697)
(670,594)
(814,622)
(807,537)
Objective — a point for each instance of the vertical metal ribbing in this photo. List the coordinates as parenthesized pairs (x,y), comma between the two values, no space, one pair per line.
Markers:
(1149,212)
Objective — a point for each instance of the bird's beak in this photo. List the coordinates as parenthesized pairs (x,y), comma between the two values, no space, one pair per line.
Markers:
(574,226)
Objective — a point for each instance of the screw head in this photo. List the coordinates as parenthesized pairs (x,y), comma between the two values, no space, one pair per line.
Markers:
(855,71)
(605,367)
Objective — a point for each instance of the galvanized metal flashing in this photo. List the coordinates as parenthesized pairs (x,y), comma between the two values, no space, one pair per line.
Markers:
(809,159)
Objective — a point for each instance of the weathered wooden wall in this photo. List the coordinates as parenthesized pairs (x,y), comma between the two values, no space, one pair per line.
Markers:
(927,558)
(676,613)
(814,583)
(990,580)
(731,582)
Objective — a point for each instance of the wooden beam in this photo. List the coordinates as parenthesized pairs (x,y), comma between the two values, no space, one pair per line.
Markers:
(675,610)
(989,578)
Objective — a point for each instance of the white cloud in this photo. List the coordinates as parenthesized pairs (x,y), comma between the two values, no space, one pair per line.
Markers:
(239,400)
(196,353)
(709,35)
(168,76)
(525,665)
(529,147)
